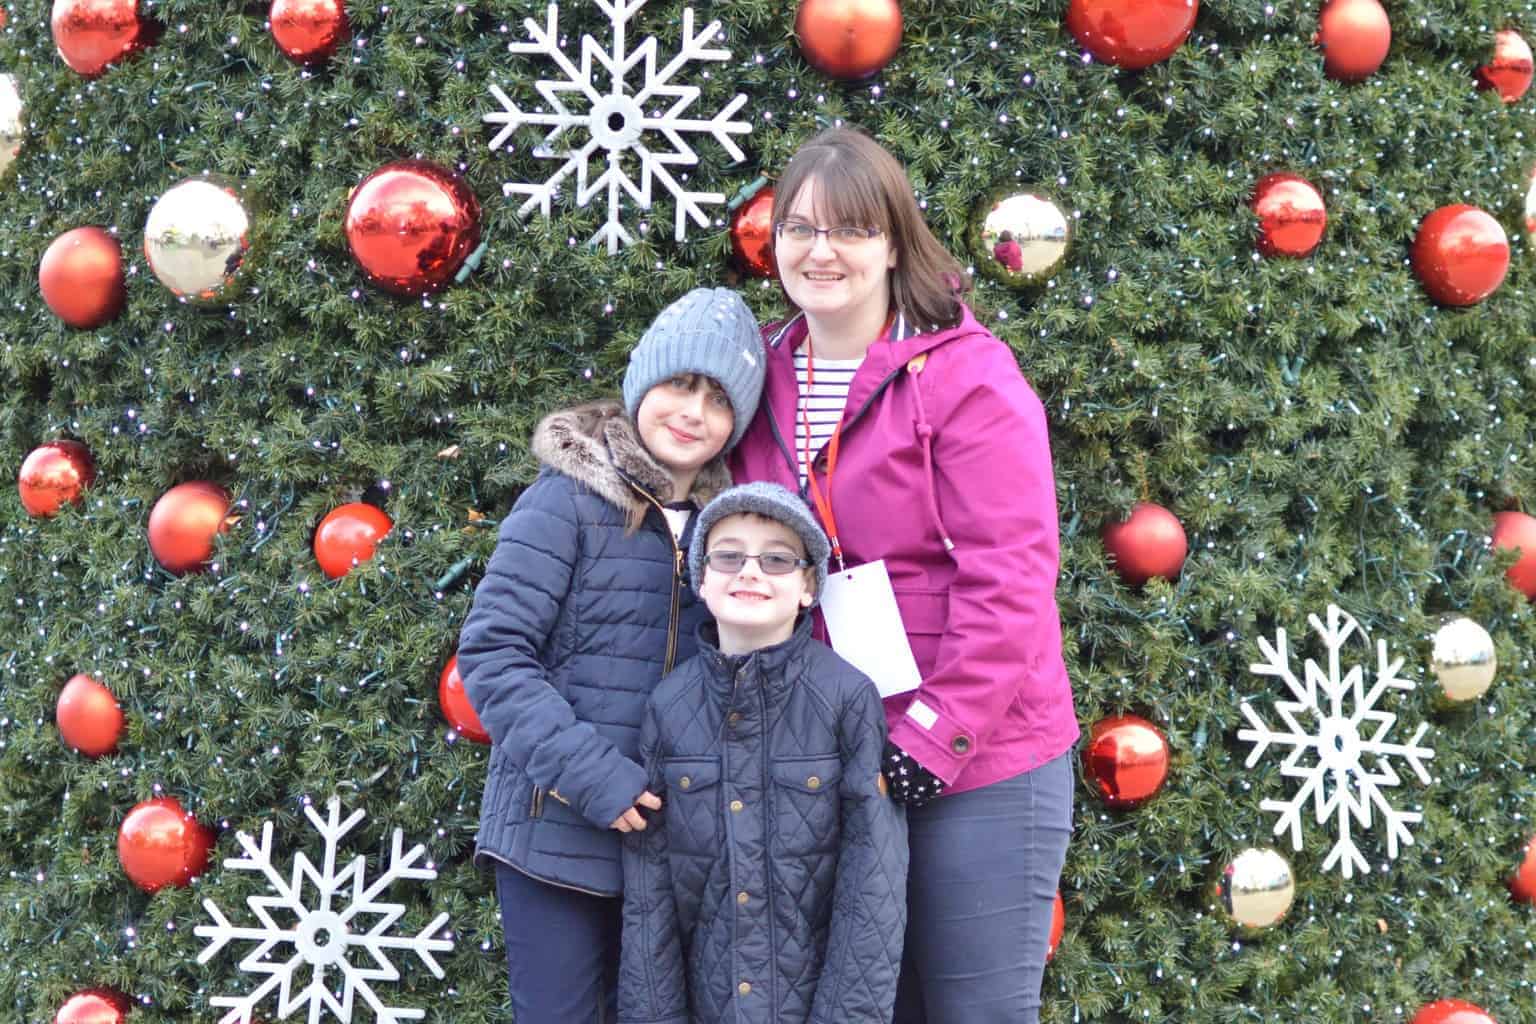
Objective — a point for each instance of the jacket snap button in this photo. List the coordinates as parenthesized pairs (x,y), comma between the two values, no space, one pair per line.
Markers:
(736,806)
(742,897)
(684,782)
(960,744)
(734,717)
(745,988)
(813,782)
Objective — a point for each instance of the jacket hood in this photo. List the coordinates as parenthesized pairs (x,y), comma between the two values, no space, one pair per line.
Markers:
(596,444)
(906,339)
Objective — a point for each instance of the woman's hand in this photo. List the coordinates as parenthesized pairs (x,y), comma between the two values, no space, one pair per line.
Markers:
(632,820)
(910,783)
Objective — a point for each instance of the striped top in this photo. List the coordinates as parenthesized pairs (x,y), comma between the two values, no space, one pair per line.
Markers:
(823,408)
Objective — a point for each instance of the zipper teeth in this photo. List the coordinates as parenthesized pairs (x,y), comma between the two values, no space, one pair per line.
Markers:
(789,456)
(677,561)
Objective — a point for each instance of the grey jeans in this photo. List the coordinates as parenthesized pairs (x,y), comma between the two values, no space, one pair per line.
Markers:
(984,871)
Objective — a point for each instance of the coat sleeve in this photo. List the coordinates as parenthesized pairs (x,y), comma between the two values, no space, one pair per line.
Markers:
(510,621)
(652,986)
(869,894)
(997,495)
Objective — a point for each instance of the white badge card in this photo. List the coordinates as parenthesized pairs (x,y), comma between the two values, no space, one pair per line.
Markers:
(865,627)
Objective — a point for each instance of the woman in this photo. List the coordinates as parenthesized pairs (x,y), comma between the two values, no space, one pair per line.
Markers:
(925,447)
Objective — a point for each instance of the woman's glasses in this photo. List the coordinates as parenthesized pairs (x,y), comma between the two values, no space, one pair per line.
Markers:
(842,236)
(774,563)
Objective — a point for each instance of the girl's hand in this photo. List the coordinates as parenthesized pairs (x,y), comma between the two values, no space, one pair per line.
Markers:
(631,820)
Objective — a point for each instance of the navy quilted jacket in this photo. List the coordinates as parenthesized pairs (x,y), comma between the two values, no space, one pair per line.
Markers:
(576,621)
(771,886)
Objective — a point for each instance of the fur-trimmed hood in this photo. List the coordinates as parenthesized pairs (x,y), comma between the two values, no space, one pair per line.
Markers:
(596,444)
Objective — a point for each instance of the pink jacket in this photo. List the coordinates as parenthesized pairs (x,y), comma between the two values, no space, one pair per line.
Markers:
(949,450)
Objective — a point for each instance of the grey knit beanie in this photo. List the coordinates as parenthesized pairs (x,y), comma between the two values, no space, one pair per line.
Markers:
(771,502)
(709,331)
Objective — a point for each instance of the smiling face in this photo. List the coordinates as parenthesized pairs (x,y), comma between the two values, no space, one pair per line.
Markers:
(752,608)
(684,422)
(849,281)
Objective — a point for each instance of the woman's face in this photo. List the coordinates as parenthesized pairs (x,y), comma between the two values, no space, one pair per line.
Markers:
(833,280)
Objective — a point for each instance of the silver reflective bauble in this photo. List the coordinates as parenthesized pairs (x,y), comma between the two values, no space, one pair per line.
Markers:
(1019,236)
(1463,659)
(11,124)
(1254,890)
(196,239)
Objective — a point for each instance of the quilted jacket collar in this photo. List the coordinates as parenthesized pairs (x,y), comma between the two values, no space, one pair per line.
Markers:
(735,679)
(596,444)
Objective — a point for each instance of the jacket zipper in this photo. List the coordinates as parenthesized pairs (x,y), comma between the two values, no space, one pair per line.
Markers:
(789,456)
(677,579)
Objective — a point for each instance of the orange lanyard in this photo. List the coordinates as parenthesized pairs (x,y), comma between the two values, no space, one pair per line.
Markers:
(823,500)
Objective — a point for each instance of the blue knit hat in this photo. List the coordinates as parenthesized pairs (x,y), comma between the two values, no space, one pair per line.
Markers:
(771,502)
(709,331)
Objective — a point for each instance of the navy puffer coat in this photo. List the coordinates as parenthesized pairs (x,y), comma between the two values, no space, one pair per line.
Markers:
(577,619)
(771,886)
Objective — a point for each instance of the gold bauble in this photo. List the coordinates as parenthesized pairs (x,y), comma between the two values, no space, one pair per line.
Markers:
(1463,659)
(196,239)
(11,123)
(1019,236)
(1254,890)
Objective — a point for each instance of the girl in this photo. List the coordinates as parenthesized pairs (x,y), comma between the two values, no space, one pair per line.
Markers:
(911,431)
(584,607)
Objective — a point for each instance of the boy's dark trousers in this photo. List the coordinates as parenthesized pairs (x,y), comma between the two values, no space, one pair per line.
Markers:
(562,951)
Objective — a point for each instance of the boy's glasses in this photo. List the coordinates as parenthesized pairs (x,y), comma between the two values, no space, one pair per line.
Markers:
(774,563)
(843,236)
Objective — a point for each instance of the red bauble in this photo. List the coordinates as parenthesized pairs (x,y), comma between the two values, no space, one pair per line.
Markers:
(54,474)
(1291,215)
(411,225)
(1058,926)
(184,522)
(1452,1011)
(94,1006)
(1510,70)
(160,844)
(91,34)
(1131,33)
(308,31)
(88,716)
(457,709)
(81,277)
(1355,36)
(848,39)
(1150,543)
(1522,884)
(1126,760)
(1517,530)
(752,235)
(347,535)
(1460,254)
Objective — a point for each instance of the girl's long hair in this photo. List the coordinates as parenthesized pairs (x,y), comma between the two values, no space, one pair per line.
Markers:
(859,183)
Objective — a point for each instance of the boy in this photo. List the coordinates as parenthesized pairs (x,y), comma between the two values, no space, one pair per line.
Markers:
(771,886)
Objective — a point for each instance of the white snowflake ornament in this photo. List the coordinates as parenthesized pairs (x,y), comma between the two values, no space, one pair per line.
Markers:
(326,935)
(615,121)
(1329,751)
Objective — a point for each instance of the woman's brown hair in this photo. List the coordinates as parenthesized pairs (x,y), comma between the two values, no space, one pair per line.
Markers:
(860,184)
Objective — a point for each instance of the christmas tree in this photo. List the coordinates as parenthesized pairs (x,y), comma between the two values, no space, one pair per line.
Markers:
(1325,388)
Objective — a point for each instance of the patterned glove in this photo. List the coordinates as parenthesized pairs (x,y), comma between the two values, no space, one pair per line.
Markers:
(910,782)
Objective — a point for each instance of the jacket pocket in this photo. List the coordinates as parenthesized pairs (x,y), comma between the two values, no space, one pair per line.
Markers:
(692,804)
(925,617)
(807,811)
